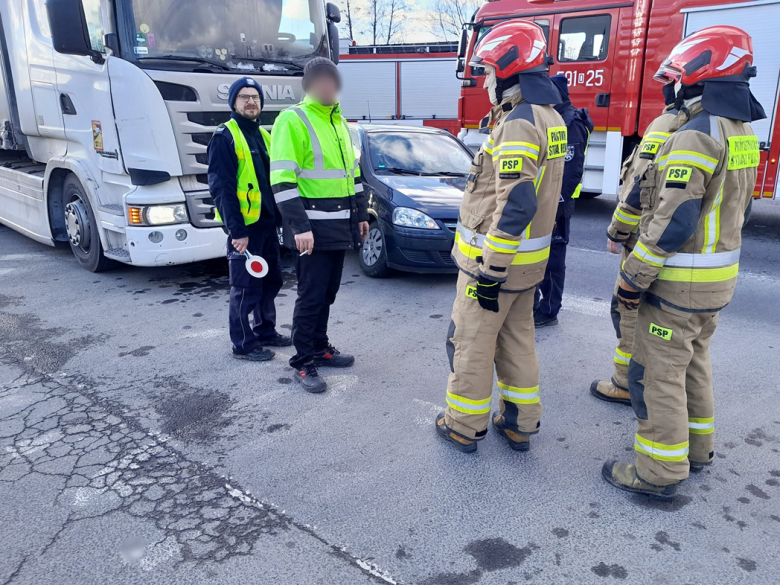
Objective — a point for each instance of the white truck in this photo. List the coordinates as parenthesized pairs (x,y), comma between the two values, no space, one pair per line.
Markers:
(107,106)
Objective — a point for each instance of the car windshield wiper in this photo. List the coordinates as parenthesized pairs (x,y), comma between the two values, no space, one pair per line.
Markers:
(398,171)
(219,66)
(444,173)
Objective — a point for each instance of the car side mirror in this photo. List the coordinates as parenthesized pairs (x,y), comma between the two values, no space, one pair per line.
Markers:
(69,31)
(332,13)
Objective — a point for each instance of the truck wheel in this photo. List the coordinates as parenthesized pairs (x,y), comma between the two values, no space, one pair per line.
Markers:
(373,255)
(82,227)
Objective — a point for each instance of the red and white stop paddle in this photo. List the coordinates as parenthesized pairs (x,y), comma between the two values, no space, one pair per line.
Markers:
(256,265)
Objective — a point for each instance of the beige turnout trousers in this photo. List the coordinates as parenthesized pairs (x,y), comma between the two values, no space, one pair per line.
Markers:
(624,322)
(477,340)
(670,381)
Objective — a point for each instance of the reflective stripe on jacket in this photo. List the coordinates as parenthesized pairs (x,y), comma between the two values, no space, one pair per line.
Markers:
(315,176)
(696,196)
(511,198)
(625,221)
(248,191)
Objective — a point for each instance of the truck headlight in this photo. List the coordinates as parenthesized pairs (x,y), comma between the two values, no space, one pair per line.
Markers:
(406,217)
(157,214)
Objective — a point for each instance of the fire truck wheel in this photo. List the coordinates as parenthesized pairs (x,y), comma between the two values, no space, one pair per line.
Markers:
(373,255)
(82,228)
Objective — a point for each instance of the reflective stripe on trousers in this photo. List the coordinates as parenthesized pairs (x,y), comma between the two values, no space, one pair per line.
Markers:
(659,451)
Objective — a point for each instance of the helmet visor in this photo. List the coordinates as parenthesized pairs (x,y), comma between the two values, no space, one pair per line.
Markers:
(666,74)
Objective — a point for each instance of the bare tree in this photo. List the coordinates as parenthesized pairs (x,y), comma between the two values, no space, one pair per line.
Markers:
(448,16)
(375,16)
(394,11)
(350,16)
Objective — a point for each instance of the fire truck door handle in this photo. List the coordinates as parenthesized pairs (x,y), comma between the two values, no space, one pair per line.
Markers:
(602,100)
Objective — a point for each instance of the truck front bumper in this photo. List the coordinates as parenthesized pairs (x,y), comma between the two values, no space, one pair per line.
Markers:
(199,244)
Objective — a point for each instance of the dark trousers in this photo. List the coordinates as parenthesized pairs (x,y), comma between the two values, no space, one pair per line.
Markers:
(549,293)
(254,296)
(319,278)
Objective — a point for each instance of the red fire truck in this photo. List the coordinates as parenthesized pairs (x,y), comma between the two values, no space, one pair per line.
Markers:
(609,51)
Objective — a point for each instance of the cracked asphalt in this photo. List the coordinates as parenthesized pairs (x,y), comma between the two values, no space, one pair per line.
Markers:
(134,449)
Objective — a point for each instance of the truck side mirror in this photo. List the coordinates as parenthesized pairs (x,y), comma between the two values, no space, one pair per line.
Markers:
(462,44)
(69,31)
(332,13)
(333,41)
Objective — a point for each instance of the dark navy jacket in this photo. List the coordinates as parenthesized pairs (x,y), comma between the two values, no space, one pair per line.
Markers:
(579,126)
(223,182)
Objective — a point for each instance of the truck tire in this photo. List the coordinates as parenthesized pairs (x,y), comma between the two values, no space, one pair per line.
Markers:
(373,255)
(82,228)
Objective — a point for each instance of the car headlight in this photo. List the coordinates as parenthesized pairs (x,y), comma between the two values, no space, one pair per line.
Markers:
(405,217)
(157,214)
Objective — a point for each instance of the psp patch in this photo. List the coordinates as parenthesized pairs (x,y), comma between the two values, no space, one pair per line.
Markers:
(678,177)
(510,167)
(471,292)
(662,332)
(569,153)
(649,149)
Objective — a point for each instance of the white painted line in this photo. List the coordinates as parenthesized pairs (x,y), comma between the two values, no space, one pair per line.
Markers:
(430,412)
(585,306)
(4,271)
(205,334)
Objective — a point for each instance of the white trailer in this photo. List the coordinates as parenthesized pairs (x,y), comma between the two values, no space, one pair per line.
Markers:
(107,106)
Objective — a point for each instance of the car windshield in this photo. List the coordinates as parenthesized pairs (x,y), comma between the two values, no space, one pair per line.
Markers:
(253,35)
(417,153)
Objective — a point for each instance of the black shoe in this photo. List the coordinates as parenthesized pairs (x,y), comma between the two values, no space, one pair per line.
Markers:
(310,379)
(256,355)
(698,466)
(517,441)
(544,320)
(331,357)
(461,443)
(278,340)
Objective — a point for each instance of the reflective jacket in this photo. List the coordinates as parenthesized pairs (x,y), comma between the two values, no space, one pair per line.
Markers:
(696,196)
(248,187)
(315,176)
(625,221)
(508,210)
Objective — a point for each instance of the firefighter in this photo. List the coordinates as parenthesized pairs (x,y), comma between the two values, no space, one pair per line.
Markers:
(315,175)
(579,126)
(239,184)
(503,241)
(696,197)
(623,232)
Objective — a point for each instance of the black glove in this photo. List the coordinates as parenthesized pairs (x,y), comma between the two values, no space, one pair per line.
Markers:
(629,298)
(487,293)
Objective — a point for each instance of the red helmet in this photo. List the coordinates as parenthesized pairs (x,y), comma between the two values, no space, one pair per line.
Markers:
(712,52)
(512,47)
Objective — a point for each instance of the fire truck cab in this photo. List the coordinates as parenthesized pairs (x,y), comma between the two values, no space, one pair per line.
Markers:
(609,50)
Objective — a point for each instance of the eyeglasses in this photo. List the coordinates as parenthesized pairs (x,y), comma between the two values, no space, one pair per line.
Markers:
(245,98)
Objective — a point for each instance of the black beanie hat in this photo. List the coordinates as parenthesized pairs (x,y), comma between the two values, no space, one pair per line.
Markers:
(240,84)
(319,66)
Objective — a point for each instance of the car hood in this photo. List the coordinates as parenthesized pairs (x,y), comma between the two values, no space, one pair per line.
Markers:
(439,197)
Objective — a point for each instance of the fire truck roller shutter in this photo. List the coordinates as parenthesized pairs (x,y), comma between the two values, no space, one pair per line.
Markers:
(368,90)
(429,89)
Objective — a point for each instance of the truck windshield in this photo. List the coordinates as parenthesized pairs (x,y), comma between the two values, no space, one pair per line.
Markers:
(252,35)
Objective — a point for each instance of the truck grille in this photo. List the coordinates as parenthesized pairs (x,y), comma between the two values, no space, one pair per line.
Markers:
(200,205)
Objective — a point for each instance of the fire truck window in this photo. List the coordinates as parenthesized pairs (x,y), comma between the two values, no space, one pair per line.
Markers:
(480,35)
(545,26)
(585,38)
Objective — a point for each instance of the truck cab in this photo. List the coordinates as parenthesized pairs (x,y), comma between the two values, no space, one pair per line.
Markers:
(108,107)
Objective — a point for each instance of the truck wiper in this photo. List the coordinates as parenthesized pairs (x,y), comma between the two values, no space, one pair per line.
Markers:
(267,61)
(219,66)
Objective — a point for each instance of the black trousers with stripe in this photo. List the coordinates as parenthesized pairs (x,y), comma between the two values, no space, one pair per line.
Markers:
(255,297)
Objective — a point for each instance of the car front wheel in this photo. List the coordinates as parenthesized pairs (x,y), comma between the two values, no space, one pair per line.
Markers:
(373,254)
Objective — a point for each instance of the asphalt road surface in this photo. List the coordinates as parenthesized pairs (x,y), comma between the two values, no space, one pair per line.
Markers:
(135,450)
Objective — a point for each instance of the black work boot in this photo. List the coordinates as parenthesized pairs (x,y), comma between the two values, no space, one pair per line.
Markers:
(277,340)
(309,378)
(331,357)
(698,466)
(256,355)
(623,476)
(609,392)
(460,442)
(517,441)
(544,320)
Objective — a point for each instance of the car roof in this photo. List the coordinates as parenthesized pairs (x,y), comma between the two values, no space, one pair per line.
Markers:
(396,128)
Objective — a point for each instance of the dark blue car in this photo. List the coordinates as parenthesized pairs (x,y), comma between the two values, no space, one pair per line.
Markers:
(414,177)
